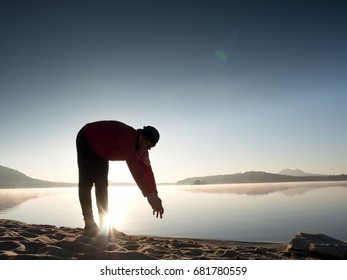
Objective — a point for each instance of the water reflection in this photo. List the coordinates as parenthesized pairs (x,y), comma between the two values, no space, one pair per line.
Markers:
(289,189)
(11,198)
(250,212)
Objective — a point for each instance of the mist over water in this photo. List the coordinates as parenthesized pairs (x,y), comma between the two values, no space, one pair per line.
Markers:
(11,198)
(250,212)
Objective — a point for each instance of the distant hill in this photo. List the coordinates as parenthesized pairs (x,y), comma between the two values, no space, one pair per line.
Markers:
(10,178)
(257,177)
(297,173)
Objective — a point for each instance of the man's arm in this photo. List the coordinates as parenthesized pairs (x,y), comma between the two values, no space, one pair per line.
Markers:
(143,175)
(144,178)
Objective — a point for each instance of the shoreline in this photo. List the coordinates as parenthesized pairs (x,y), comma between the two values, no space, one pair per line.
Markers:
(20,241)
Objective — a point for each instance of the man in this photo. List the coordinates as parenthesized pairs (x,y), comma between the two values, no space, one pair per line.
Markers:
(101,141)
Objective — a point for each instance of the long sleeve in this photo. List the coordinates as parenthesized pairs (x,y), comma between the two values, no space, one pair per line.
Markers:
(141,170)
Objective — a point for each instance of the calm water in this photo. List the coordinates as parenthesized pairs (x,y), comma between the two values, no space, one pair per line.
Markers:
(249,212)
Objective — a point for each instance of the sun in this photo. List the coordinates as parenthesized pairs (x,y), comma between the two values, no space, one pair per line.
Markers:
(118,208)
(114,218)
(108,228)
(110,220)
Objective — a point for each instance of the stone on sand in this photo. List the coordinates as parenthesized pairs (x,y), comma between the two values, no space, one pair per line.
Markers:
(317,244)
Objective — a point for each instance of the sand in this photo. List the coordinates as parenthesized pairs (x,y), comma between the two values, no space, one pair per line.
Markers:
(19,240)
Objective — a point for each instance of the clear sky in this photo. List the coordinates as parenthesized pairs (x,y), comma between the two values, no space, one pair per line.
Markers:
(232,86)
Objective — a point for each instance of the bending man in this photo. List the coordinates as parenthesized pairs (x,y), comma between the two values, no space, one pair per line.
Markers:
(101,141)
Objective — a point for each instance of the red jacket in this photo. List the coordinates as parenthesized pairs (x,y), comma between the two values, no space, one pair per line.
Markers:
(113,140)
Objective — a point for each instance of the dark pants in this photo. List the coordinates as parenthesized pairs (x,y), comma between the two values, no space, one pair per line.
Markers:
(92,170)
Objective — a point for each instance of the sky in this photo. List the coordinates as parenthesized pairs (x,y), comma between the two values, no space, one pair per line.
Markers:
(232,86)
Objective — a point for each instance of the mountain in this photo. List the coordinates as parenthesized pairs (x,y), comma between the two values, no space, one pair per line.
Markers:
(10,178)
(297,173)
(258,177)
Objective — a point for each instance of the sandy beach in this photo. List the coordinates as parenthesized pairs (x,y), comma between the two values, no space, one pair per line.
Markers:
(20,240)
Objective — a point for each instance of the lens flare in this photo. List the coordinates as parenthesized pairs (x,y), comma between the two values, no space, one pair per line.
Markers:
(222,56)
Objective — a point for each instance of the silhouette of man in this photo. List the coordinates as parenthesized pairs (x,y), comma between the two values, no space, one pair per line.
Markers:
(101,141)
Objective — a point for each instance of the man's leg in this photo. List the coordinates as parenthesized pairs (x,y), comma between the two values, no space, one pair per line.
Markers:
(101,190)
(85,185)
(85,197)
(86,168)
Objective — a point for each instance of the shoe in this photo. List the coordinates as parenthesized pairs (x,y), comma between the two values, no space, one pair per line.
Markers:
(91,230)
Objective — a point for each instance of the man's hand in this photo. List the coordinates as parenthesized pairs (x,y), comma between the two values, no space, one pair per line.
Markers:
(156,205)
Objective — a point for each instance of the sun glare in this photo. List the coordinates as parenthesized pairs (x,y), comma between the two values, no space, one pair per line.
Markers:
(119,201)
(109,227)
(114,219)
(110,221)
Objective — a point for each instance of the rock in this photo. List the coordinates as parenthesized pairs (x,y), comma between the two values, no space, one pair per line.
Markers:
(317,245)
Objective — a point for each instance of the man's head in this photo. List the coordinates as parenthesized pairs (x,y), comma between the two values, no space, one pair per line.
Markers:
(151,134)
(148,138)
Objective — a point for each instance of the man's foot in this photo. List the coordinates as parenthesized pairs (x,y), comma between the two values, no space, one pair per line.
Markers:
(110,232)
(91,230)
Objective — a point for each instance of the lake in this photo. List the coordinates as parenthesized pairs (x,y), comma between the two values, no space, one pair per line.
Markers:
(269,212)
